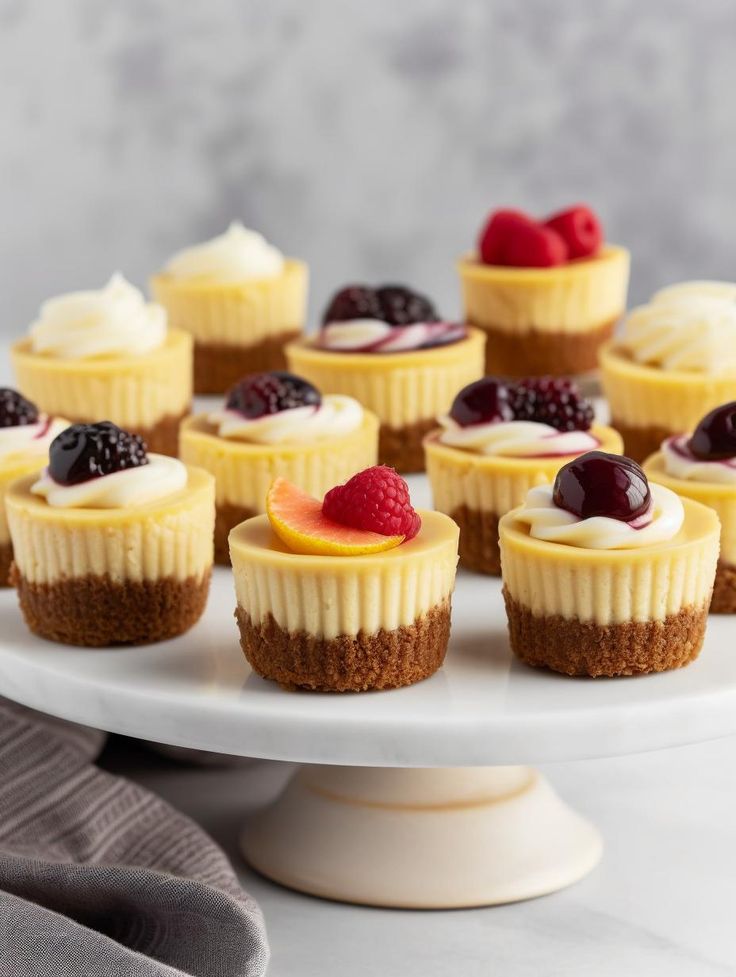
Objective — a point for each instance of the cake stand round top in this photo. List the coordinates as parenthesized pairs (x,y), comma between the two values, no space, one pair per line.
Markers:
(481,708)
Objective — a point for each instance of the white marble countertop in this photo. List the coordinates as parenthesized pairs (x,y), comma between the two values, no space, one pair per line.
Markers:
(661,903)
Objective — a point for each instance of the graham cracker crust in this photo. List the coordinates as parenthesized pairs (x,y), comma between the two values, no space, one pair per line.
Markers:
(6,562)
(349,663)
(640,442)
(540,352)
(94,611)
(217,366)
(227,516)
(479,550)
(576,647)
(401,447)
(724,590)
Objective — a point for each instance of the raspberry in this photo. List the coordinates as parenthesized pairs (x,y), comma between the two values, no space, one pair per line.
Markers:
(496,233)
(353,302)
(376,499)
(15,410)
(551,400)
(86,451)
(482,402)
(259,394)
(579,228)
(534,246)
(400,306)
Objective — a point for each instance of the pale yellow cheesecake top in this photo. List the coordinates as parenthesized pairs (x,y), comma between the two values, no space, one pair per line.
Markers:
(470,266)
(333,595)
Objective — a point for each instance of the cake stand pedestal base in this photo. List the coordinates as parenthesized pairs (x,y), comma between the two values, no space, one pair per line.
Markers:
(421,838)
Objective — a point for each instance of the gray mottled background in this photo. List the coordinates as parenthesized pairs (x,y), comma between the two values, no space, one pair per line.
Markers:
(370,138)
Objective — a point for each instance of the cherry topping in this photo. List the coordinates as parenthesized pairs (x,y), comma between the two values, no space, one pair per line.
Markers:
(483,402)
(400,306)
(86,451)
(498,229)
(579,228)
(599,484)
(715,437)
(353,302)
(556,401)
(15,410)
(259,394)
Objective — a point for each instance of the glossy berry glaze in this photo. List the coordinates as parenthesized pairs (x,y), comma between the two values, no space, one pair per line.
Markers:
(599,484)
(714,439)
(484,402)
(86,451)
(545,400)
(15,410)
(260,394)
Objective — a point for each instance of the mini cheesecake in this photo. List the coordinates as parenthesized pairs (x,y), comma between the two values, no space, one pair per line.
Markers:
(276,425)
(499,440)
(108,354)
(546,302)
(324,605)
(386,348)
(239,299)
(112,546)
(702,467)
(674,361)
(605,575)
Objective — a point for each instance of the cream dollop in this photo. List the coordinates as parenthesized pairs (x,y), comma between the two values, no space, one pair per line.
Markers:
(680,462)
(690,326)
(335,416)
(112,321)
(238,255)
(162,476)
(555,525)
(515,439)
(24,440)
(377,336)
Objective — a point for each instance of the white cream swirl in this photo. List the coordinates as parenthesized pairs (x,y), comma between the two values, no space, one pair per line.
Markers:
(690,327)
(377,336)
(238,255)
(680,462)
(131,487)
(555,525)
(112,321)
(335,416)
(29,440)
(515,439)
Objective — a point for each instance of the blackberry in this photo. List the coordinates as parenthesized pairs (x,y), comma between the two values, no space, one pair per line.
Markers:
(259,394)
(86,451)
(353,302)
(482,402)
(15,410)
(551,400)
(400,306)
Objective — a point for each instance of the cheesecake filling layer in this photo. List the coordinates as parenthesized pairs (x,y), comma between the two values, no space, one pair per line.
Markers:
(329,597)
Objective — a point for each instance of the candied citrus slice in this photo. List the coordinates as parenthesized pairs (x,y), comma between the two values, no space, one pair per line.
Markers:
(297,520)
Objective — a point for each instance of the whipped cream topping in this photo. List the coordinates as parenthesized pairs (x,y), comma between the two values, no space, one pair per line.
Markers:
(112,321)
(555,525)
(690,327)
(336,415)
(238,255)
(23,440)
(377,336)
(131,487)
(680,462)
(515,439)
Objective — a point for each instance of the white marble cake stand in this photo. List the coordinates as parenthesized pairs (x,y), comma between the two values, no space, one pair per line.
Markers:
(406,798)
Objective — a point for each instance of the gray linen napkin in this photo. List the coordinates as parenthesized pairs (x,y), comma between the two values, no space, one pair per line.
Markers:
(100,878)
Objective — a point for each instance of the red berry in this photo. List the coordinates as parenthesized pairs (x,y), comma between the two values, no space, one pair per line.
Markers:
(579,228)
(535,246)
(376,499)
(497,231)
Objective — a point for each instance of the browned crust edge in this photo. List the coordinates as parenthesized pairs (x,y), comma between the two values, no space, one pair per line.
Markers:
(161,438)
(576,647)
(6,561)
(227,517)
(94,611)
(402,448)
(479,550)
(348,663)
(640,442)
(724,590)
(217,366)
(535,352)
